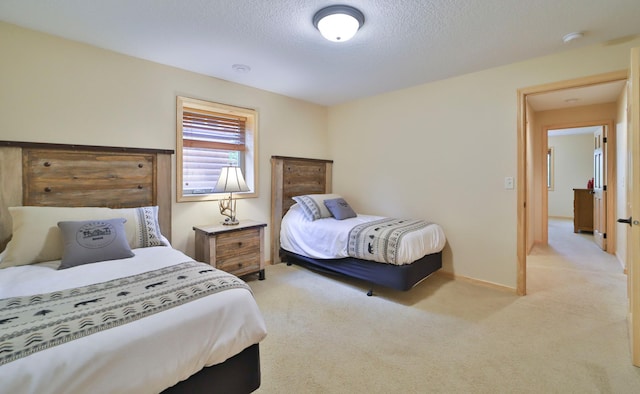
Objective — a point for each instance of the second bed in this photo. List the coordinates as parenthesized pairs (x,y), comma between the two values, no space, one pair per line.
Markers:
(404,258)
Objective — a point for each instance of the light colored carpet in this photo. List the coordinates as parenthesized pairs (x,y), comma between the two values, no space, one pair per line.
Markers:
(568,335)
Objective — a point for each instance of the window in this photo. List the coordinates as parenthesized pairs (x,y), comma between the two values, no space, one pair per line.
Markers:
(211,136)
(550,168)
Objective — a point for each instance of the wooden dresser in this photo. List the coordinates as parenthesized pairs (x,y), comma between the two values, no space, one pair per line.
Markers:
(582,210)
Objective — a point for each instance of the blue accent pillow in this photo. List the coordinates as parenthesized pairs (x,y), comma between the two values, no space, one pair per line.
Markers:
(90,241)
(340,209)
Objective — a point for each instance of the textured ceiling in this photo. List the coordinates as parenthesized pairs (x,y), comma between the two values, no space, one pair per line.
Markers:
(402,43)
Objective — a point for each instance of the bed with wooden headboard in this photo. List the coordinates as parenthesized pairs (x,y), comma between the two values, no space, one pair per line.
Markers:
(295,176)
(57,175)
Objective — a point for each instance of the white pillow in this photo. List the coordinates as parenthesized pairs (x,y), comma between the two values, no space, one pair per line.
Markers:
(313,205)
(37,238)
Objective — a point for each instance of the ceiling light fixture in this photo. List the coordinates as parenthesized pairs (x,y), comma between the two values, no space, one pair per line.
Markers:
(338,23)
(572,37)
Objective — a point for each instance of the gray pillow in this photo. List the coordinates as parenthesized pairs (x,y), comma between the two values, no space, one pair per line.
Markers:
(340,209)
(90,241)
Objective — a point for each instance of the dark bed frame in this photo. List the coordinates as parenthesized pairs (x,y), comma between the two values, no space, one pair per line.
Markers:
(42,174)
(240,374)
(294,176)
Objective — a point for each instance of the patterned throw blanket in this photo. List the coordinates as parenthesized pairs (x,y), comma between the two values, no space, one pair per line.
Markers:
(33,323)
(379,240)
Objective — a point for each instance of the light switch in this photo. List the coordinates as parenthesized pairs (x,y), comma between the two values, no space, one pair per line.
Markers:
(508,183)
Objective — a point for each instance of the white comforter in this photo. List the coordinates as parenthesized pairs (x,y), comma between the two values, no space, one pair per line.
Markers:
(328,238)
(144,356)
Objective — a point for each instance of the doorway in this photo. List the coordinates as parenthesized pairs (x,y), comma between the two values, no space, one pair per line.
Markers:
(577,175)
(532,218)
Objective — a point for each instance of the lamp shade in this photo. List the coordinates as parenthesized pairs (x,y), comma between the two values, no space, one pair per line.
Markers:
(338,23)
(231,180)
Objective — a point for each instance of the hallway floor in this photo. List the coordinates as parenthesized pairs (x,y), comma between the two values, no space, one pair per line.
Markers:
(569,252)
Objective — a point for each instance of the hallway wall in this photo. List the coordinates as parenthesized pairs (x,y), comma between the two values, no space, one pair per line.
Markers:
(572,168)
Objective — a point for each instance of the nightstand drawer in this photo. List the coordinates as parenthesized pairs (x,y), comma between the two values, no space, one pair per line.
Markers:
(238,251)
(240,265)
(241,241)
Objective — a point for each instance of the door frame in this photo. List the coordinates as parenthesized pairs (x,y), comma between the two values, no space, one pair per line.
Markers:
(523,164)
(633,196)
(611,179)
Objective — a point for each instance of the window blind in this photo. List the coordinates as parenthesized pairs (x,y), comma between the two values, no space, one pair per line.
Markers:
(210,142)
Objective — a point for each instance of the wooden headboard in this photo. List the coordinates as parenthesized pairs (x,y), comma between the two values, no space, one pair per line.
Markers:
(39,174)
(294,176)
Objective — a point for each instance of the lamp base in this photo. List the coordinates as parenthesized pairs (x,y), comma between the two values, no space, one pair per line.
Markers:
(231,222)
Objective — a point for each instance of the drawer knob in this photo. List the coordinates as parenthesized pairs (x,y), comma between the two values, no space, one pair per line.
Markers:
(47,189)
(47,164)
(239,244)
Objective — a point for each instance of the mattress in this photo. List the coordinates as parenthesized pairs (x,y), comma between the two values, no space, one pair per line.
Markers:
(328,238)
(142,356)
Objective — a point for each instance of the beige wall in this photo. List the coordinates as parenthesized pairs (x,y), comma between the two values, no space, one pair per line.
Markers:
(535,200)
(591,113)
(533,218)
(441,150)
(573,167)
(55,90)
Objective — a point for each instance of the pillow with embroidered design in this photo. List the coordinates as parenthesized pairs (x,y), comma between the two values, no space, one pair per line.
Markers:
(91,241)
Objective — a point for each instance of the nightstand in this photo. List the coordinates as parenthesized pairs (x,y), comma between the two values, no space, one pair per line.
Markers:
(237,249)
